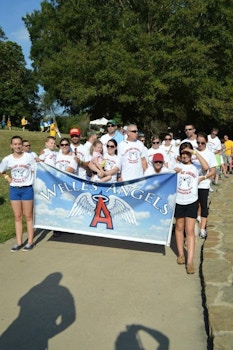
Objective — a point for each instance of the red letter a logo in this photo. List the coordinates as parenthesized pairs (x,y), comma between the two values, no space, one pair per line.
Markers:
(102,215)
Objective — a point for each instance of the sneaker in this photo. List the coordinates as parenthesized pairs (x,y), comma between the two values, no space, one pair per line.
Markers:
(203,233)
(16,247)
(180,260)
(211,189)
(199,219)
(27,247)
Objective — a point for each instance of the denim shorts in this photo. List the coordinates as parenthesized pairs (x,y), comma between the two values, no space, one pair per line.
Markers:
(24,193)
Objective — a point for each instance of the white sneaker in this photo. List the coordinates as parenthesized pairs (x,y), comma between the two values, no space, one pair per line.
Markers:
(199,219)
(203,233)
(211,189)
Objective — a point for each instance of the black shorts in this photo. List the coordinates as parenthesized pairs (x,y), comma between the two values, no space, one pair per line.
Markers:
(188,210)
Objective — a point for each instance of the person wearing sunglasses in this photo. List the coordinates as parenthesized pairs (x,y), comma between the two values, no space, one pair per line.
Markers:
(65,160)
(27,148)
(80,152)
(132,155)
(170,150)
(155,148)
(187,202)
(112,133)
(205,179)
(112,166)
(191,135)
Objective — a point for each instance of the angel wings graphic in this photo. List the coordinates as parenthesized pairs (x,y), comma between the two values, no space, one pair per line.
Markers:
(118,208)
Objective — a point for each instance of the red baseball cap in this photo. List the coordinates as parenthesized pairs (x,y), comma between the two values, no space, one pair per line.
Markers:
(75,131)
(158,157)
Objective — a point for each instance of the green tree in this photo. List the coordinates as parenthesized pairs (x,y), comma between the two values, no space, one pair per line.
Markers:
(144,60)
(17,85)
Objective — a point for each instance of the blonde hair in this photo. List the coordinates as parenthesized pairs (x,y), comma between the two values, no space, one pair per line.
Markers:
(95,143)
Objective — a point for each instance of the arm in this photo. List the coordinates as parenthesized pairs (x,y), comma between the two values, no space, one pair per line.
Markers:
(144,163)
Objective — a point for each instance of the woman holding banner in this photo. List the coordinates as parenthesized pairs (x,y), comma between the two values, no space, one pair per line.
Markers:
(21,164)
(187,202)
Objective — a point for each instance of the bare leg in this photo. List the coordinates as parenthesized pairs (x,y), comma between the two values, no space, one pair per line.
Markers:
(179,232)
(28,213)
(18,215)
(190,235)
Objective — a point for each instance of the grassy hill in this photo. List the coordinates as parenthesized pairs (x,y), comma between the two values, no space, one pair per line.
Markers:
(37,141)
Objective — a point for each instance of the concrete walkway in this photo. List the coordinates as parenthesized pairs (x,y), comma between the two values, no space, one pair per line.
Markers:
(83,293)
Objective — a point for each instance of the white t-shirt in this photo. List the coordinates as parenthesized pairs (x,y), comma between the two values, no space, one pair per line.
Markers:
(151,171)
(171,155)
(131,154)
(21,169)
(187,184)
(111,163)
(84,155)
(152,151)
(214,144)
(212,162)
(193,142)
(48,157)
(64,161)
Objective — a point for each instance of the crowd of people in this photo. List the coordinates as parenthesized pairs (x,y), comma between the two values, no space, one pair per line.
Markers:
(199,161)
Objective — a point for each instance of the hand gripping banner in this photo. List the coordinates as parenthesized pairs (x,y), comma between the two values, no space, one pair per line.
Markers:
(139,210)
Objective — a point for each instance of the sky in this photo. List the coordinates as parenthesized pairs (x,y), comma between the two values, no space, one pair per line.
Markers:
(11,13)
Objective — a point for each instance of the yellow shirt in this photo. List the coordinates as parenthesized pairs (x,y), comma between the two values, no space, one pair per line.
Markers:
(52,130)
(23,122)
(229,145)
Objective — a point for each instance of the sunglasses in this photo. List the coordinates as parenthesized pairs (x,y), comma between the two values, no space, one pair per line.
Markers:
(110,126)
(188,129)
(201,143)
(64,144)
(110,146)
(166,139)
(158,161)
(157,142)
(27,145)
(133,131)
(74,136)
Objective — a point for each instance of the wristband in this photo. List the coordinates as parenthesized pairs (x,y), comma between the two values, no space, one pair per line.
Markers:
(6,176)
(194,152)
(81,162)
(205,177)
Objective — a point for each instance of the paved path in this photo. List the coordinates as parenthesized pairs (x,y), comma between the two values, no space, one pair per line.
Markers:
(82,293)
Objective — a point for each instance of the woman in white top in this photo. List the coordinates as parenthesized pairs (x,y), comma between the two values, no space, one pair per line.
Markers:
(65,160)
(112,166)
(187,202)
(155,148)
(204,185)
(21,164)
(170,151)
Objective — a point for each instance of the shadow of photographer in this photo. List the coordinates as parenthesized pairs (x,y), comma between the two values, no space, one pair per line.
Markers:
(131,339)
(46,310)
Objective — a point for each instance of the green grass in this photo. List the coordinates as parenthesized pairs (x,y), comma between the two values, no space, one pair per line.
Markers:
(37,141)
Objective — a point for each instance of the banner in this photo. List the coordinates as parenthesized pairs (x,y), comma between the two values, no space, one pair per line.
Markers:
(139,210)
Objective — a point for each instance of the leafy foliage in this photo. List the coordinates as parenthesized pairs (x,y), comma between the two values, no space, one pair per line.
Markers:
(145,60)
(17,85)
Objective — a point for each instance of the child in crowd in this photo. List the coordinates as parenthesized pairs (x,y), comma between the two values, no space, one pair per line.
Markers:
(48,154)
(98,162)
